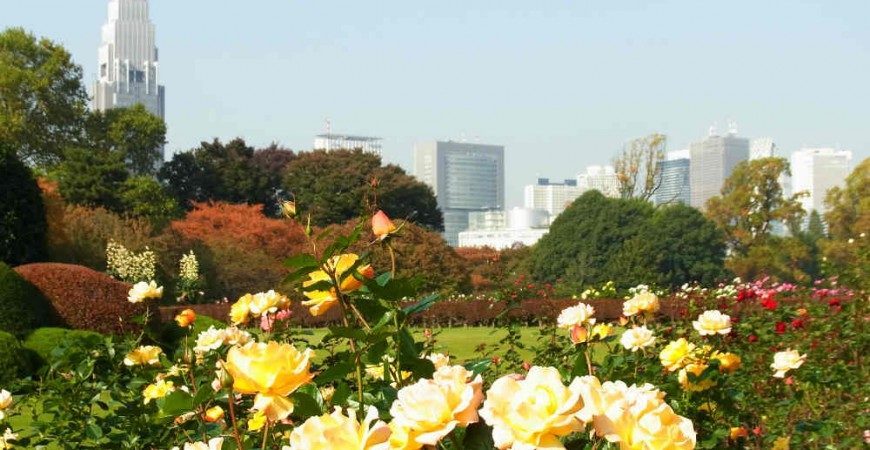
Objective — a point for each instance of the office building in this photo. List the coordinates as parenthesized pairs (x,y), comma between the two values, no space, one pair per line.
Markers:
(762,148)
(465,177)
(601,178)
(550,196)
(128,71)
(331,142)
(522,227)
(712,161)
(815,171)
(673,185)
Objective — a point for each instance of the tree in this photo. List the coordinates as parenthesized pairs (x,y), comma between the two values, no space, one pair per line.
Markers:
(273,161)
(641,158)
(23,225)
(133,132)
(336,186)
(92,178)
(42,100)
(678,245)
(217,172)
(143,196)
(848,247)
(752,201)
(583,239)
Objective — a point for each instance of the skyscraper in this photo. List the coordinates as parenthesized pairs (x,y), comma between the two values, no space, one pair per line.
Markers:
(712,161)
(815,171)
(550,196)
(465,177)
(761,148)
(601,178)
(128,60)
(674,186)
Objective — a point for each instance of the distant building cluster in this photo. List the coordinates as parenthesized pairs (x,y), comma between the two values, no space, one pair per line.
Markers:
(330,142)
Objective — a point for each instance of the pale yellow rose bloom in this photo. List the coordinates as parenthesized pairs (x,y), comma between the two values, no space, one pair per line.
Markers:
(602,330)
(267,302)
(240,311)
(532,412)
(676,354)
(144,290)
(272,371)
(159,389)
(209,340)
(728,362)
(339,431)
(430,409)
(712,322)
(146,355)
(643,302)
(212,444)
(636,417)
(637,338)
(213,414)
(321,301)
(695,369)
(576,315)
(439,360)
(257,421)
(785,361)
(5,402)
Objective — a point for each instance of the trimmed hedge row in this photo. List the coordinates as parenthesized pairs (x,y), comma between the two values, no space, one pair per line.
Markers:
(22,306)
(14,361)
(84,299)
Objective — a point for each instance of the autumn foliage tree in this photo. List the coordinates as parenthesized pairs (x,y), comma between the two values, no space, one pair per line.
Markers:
(848,218)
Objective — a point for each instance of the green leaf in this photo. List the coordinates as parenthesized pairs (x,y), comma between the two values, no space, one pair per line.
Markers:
(335,372)
(304,405)
(302,260)
(174,404)
(478,367)
(422,305)
(478,436)
(356,334)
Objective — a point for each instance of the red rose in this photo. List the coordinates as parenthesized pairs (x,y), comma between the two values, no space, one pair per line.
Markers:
(752,338)
(780,327)
(769,303)
(797,323)
(834,302)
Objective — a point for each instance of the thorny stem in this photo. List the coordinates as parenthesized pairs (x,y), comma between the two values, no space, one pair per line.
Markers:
(588,359)
(356,353)
(230,401)
(265,435)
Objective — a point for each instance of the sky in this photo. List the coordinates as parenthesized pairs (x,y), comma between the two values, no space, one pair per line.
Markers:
(561,84)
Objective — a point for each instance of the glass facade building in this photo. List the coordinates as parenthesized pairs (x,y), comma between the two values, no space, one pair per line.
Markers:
(712,161)
(465,177)
(674,184)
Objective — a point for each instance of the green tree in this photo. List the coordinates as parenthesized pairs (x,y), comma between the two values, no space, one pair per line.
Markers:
(583,239)
(217,172)
(133,132)
(678,245)
(336,186)
(752,203)
(42,100)
(23,226)
(91,177)
(638,167)
(847,249)
(143,196)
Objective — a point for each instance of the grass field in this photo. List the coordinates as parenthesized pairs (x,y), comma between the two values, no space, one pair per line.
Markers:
(461,342)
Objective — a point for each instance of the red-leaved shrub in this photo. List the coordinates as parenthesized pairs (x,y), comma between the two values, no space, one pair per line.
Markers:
(84,299)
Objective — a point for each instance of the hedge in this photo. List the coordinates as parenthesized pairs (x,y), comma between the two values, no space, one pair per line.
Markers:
(14,362)
(22,306)
(85,299)
(43,342)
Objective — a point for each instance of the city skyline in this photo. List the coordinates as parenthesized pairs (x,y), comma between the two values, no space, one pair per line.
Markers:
(250,72)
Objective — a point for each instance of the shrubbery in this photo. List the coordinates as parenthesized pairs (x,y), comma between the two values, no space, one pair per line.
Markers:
(14,362)
(22,215)
(22,306)
(45,343)
(83,298)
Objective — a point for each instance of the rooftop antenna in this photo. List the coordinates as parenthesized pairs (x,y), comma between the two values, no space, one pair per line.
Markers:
(732,127)
(328,133)
(712,130)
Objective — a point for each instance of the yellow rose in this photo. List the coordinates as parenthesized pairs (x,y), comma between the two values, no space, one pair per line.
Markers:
(143,290)
(402,438)
(637,338)
(576,315)
(214,414)
(339,431)
(145,355)
(579,334)
(271,371)
(267,302)
(712,322)
(782,443)
(439,360)
(785,361)
(213,444)
(430,409)
(676,353)
(602,330)
(533,412)
(5,402)
(637,417)
(643,302)
(185,318)
(240,311)
(320,301)
(737,433)
(382,226)
(159,389)
(695,369)
(728,362)
(256,421)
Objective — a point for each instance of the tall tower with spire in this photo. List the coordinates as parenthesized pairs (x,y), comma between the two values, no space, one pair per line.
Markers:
(128,71)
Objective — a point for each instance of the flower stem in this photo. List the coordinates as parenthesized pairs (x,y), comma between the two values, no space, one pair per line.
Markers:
(230,401)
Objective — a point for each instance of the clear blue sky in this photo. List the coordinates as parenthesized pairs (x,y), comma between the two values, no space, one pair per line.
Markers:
(562,84)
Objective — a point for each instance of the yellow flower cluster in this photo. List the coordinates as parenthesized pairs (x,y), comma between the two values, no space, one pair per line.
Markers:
(635,417)
(146,355)
(272,371)
(144,290)
(428,410)
(214,338)
(686,358)
(644,302)
(320,301)
(159,389)
(129,266)
(188,267)
(340,431)
(577,319)
(712,322)
(637,338)
(255,305)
